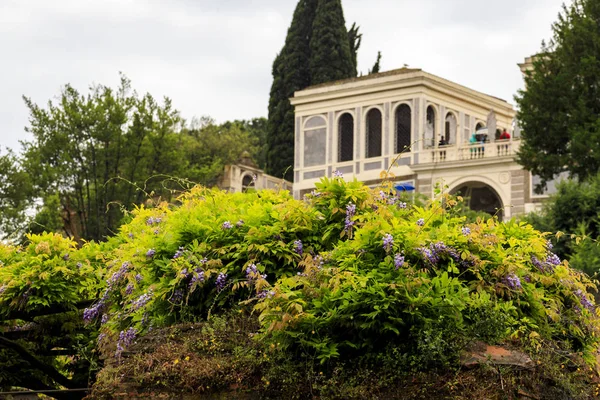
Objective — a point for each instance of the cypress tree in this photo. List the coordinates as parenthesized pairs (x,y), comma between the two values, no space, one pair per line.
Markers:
(354,40)
(317,49)
(331,57)
(290,73)
(377,65)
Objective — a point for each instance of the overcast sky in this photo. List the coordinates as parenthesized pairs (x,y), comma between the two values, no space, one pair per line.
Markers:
(214,57)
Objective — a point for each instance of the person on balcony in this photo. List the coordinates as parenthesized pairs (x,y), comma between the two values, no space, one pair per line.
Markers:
(503,149)
(473,142)
(442,143)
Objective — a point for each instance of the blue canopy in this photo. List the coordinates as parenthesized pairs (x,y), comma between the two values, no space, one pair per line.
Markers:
(404,186)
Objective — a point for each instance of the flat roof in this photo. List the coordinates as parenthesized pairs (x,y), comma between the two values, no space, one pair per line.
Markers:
(361,81)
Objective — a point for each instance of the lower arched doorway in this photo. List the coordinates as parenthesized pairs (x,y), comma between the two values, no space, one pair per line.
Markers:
(480,197)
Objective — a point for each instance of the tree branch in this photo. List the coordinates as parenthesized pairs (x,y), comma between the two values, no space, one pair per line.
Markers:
(49,370)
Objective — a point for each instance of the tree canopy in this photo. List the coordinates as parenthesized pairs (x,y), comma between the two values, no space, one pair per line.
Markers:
(559,108)
(94,156)
(318,48)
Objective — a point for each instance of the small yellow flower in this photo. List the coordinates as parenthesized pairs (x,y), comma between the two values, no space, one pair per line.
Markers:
(176,361)
(562,365)
(187,358)
(320,372)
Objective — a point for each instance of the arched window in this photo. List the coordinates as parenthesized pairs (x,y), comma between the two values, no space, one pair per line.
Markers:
(373,133)
(315,135)
(403,128)
(247,181)
(345,138)
(450,128)
(430,127)
(479,126)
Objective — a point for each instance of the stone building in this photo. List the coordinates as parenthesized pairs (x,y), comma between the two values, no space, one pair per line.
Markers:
(245,174)
(424,129)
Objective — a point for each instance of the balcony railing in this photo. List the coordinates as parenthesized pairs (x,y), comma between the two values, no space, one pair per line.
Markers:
(370,168)
(475,151)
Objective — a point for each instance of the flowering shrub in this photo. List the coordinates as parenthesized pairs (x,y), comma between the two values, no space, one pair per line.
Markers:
(343,271)
(424,282)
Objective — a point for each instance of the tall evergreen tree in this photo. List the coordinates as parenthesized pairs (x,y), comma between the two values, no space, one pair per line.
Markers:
(318,48)
(354,40)
(377,65)
(290,73)
(331,57)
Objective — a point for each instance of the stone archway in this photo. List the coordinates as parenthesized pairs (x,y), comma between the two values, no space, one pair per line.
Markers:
(480,197)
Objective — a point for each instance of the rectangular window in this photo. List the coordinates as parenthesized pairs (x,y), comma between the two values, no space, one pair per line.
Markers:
(314,147)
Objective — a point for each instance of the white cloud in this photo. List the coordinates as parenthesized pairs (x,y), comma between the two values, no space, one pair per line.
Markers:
(214,57)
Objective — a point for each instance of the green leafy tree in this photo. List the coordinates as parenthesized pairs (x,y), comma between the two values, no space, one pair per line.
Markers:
(573,210)
(317,49)
(559,109)
(94,157)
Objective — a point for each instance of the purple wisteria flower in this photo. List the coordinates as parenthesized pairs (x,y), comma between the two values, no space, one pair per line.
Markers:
(130,236)
(436,251)
(153,221)
(142,300)
(466,231)
(126,338)
(176,297)
(129,289)
(104,319)
(240,223)
(398,260)
(79,265)
(227,225)
(150,253)
(266,294)
(198,276)
(388,242)
(350,211)
(138,278)
(548,265)
(156,231)
(179,252)
(253,273)
(221,281)
(512,281)
(3,288)
(319,261)
(117,276)
(315,193)
(337,174)
(420,222)
(298,247)
(66,257)
(91,313)
(583,299)
(401,204)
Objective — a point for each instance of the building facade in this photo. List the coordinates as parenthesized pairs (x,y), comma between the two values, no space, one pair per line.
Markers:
(423,129)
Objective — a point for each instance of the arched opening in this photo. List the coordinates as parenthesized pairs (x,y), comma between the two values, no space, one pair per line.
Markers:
(480,197)
(403,128)
(247,182)
(373,129)
(450,128)
(315,135)
(479,126)
(497,134)
(430,127)
(345,138)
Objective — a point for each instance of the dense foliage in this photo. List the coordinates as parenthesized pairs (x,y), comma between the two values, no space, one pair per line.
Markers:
(93,156)
(318,48)
(573,211)
(347,272)
(558,109)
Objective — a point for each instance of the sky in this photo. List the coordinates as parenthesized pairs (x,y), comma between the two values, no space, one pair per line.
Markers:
(213,58)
